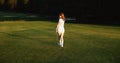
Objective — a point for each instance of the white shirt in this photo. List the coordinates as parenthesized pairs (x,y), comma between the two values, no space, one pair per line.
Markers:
(60,28)
(61,22)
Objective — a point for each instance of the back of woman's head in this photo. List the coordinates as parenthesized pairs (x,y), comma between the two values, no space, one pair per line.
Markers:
(61,15)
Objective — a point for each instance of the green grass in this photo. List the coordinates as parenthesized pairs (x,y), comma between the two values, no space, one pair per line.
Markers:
(35,42)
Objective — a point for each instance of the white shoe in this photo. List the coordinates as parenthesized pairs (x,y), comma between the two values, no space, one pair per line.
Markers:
(61,45)
(58,44)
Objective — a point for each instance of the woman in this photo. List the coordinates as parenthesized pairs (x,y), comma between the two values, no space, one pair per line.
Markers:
(60,29)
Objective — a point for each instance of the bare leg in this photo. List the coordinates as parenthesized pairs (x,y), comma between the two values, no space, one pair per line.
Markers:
(62,39)
(59,39)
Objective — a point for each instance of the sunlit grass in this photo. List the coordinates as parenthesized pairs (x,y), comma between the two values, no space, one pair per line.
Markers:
(35,42)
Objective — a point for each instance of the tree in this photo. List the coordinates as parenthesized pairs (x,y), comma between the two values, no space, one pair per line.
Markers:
(12,3)
(26,1)
(2,2)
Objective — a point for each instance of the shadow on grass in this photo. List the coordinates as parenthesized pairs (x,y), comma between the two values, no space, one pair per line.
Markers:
(55,19)
(30,35)
(101,22)
(26,18)
(12,16)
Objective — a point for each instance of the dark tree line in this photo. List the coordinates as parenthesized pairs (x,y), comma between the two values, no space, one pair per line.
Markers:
(81,9)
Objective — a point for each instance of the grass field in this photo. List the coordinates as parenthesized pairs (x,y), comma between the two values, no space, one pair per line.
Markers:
(35,42)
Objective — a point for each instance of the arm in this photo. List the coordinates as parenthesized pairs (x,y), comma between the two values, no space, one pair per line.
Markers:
(57,25)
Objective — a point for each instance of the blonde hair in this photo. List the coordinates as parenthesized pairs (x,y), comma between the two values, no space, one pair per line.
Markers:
(61,15)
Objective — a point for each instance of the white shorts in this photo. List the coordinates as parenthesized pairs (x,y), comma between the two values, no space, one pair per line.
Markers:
(60,30)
